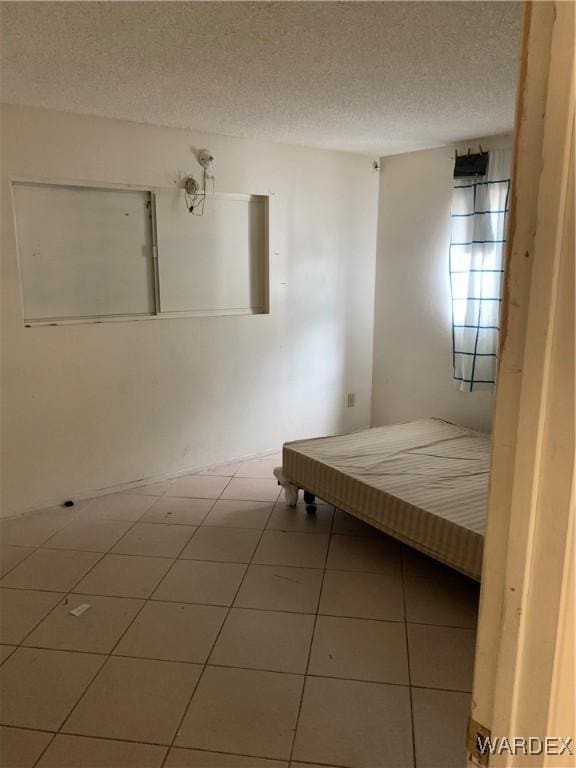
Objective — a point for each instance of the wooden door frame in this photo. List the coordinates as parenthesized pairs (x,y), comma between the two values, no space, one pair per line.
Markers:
(527,595)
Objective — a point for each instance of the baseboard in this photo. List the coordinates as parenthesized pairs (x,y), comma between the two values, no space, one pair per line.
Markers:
(120,487)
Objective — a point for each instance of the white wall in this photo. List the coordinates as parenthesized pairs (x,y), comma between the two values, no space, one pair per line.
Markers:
(412,375)
(86,407)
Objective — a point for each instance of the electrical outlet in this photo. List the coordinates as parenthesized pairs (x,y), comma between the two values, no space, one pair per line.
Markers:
(351,399)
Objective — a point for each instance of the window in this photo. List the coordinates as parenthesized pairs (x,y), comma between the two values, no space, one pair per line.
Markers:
(84,252)
(214,262)
(477,247)
(93,253)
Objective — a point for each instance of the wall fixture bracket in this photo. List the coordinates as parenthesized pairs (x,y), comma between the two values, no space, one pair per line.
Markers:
(206,159)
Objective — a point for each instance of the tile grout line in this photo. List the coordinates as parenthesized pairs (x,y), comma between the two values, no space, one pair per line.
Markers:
(237,666)
(34,548)
(184,749)
(205,665)
(73,590)
(66,594)
(108,551)
(202,524)
(408,656)
(83,506)
(133,490)
(226,527)
(306,672)
(74,519)
(262,531)
(164,746)
(98,670)
(109,655)
(213,605)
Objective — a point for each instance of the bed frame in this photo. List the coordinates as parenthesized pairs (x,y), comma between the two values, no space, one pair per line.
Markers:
(424,482)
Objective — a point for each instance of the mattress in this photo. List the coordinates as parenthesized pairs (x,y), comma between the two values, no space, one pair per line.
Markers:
(424,482)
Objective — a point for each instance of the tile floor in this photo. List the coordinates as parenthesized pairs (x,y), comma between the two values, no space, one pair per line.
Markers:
(226,630)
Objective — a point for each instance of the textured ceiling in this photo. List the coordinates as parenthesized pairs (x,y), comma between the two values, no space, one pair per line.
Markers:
(372,77)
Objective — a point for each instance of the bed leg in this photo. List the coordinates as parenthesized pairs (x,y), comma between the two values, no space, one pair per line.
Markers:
(290,490)
(310,501)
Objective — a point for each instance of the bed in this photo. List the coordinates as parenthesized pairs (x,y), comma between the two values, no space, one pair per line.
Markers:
(424,482)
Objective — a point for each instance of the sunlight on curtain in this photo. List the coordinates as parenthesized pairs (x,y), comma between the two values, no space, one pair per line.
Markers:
(477,247)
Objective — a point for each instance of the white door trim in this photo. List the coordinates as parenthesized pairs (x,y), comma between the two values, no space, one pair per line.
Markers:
(526,558)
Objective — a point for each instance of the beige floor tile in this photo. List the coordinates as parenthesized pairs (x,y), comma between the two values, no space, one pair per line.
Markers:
(305,550)
(362,553)
(136,700)
(352,526)
(363,595)
(252,489)
(285,518)
(10,556)
(118,506)
(173,632)
(154,540)
(51,569)
(194,581)
(223,470)
(436,594)
(243,711)
(152,489)
(310,765)
(88,535)
(360,649)
(5,651)
(198,486)
(82,752)
(178,511)
(34,528)
(21,610)
(278,588)
(124,576)
(96,630)
(231,545)
(239,514)
(440,724)
(197,758)
(38,688)
(441,657)
(270,640)
(21,748)
(259,468)
(344,722)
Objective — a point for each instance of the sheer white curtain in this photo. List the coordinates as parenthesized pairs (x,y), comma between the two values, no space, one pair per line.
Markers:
(477,246)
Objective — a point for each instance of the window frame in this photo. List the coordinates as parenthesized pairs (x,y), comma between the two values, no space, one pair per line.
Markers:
(157,314)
